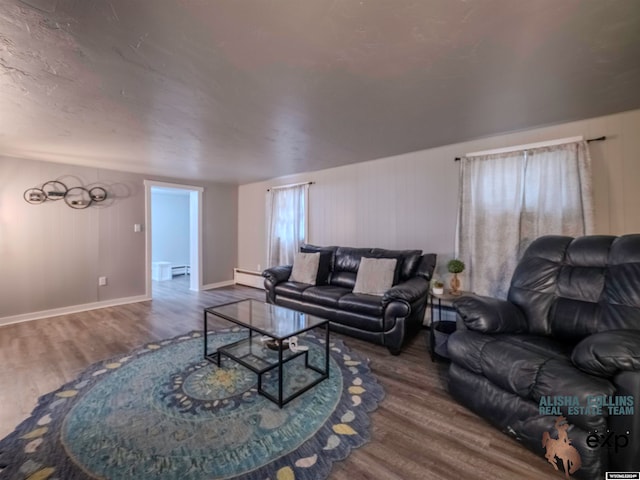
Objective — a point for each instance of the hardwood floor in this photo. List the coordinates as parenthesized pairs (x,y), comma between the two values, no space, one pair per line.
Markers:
(419,432)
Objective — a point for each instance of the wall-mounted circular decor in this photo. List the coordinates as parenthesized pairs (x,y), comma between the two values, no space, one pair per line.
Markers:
(75,197)
(54,190)
(78,197)
(98,194)
(34,196)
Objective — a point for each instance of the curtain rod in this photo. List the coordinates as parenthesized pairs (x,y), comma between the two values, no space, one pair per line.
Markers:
(589,140)
(290,185)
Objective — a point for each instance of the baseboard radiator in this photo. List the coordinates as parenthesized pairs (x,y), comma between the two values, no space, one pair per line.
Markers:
(249,278)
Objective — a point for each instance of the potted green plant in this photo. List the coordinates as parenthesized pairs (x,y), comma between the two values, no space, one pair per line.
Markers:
(455,266)
(438,287)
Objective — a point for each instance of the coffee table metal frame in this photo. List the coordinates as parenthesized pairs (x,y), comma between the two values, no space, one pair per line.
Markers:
(284,355)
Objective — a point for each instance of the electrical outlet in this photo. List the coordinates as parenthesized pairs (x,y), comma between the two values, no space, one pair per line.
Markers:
(137,227)
(102,281)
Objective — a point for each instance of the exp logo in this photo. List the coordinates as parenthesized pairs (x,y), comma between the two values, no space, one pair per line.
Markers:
(608,439)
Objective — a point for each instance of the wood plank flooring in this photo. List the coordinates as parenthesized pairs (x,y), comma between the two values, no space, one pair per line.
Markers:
(419,432)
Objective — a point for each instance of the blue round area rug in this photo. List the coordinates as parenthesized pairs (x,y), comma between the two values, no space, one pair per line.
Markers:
(163,412)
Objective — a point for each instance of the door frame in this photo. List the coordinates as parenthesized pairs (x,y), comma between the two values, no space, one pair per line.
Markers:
(195,229)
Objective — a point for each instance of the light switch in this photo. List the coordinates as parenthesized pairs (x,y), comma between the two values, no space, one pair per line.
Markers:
(137,227)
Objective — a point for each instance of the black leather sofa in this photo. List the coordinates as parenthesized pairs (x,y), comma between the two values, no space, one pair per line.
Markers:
(569,333)
(387,320)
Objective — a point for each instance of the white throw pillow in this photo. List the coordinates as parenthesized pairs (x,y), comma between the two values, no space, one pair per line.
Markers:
(305,268)
(375,275)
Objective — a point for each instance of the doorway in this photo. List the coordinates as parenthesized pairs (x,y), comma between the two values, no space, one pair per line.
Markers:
(180,229)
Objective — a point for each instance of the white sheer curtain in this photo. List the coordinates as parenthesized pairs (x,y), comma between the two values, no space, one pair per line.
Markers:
(508,200)
(286,223)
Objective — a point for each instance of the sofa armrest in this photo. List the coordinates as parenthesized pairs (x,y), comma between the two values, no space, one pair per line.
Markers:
(607,353)
(278,274)
(408,291)
(490,315)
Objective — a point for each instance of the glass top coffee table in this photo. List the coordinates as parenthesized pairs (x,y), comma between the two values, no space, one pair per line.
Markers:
(265,349)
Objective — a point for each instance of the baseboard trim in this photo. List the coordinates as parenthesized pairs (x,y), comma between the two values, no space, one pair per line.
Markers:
(85,307)
(250,286)
(210,286)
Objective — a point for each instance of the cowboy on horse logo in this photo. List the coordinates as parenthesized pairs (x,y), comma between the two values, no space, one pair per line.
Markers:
(561,449)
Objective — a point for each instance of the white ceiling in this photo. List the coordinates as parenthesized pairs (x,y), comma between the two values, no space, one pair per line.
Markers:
(238,91)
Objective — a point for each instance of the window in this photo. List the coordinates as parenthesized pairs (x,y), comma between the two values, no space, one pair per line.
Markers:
(509,199)
(287,223)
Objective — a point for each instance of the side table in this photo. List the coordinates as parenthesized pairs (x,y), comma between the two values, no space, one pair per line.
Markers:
(440,328)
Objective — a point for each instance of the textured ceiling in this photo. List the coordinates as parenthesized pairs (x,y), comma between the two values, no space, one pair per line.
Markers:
(238,91)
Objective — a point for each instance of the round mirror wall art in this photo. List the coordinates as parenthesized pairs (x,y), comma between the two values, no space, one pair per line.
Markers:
(74,197)
(54,190)
(78,197)
(97,194)
(34,196)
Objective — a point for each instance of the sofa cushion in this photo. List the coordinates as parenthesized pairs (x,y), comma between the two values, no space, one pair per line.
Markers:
(467,347)
(343,279)
(408,260)
(513,367)
(327,257)
(570,288)
(328,295)
(324,268)
(530,367)
(291,289)
(348,259)
(562,379)
(361,303)
(375,275)
(346,264)
(305,268)
(396,270)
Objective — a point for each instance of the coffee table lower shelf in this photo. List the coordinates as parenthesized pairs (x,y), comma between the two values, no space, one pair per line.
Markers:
(243,352)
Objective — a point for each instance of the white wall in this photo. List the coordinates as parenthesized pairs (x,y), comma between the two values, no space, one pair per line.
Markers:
(410,201)
(51,255)
(170,226)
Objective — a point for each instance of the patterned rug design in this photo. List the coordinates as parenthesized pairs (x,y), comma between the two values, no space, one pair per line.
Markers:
(163,412)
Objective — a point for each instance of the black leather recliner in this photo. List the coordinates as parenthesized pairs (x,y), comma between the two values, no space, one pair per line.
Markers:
(388,320)
(569,334)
